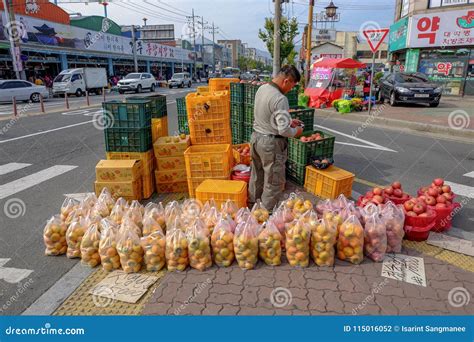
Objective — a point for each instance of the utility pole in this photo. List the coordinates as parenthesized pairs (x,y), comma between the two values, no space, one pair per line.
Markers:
(194,45)
(13,36)
(213,29)
(202,42)
(309,34)
(134,49)
(276,38)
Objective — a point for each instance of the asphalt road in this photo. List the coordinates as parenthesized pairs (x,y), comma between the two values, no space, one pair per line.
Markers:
(68,146)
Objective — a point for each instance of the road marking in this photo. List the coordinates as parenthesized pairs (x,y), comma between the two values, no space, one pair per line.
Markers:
(29,181)
(469,174)
(374,145)
(358,145)
(368,183)
(7,168)
(12,275)
(461,190)
(46,132)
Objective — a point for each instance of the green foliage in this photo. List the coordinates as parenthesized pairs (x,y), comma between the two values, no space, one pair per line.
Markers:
(288,32)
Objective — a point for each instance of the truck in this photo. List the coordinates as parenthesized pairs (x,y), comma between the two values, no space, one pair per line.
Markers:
(79,81)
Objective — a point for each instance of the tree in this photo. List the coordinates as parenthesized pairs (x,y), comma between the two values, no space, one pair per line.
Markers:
(288,32)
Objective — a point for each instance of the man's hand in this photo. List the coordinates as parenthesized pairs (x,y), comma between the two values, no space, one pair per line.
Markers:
(299,131)
(296,123)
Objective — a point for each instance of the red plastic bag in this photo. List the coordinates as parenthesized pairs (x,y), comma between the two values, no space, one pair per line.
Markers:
(375,238)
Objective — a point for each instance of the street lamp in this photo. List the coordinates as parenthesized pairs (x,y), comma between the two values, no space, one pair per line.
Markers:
(331,10)
(144,21)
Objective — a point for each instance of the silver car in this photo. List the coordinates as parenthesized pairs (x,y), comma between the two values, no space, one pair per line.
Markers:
(21,91)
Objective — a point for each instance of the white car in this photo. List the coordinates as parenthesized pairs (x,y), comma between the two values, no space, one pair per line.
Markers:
(22,91)
(137,82)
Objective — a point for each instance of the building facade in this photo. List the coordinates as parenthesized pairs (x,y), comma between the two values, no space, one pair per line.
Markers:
(435,37)
(236,49)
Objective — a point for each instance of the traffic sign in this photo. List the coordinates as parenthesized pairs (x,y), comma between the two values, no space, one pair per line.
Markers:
(375,38)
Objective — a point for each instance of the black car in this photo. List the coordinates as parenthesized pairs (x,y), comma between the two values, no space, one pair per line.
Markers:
(399,87)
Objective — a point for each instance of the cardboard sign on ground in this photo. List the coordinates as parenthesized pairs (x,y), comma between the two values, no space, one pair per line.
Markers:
(404,268)
(125,287)
(451,243)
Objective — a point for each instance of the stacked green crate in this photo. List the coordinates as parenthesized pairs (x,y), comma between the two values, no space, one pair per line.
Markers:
(293,96)
(306,115)
(158,104)
(182,115)
(237,112)
(127,125)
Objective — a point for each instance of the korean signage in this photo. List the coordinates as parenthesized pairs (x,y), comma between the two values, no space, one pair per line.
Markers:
(327,55)
(444,3)
(323,35)
(453,28)
(398,35)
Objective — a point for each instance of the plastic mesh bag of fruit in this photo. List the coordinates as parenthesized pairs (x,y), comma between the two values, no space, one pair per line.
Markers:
(393,217)
(229,208)
(297,243)
(106,198)
(323,206)
(157,212)
(109,257)
(117,213)
(323,242)
(350,242)
(89,201)
(210,219)
(222,242)
(129,248)
(176,250)
(150,225)
(340,202)
(269,244)
(75,233)
(54,236)
(172,211)
(375,238)
(259,212)
(297,204)
(154,248)
(136,205)
(100,209)
(90,246)
(199,249)
(208,205)
(246,243)
(68,207)
(135,214)
(242,215)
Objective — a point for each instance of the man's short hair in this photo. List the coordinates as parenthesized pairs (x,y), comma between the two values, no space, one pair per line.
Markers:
(290,71)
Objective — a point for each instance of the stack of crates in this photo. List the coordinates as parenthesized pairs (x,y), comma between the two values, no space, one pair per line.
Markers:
(207,162)
(329,183)
(183,127)
(292,96)
(170,174)
(159,114)
(122,177)
(209,118)
(237,112)
(250,90)
(128,136)
(221,84)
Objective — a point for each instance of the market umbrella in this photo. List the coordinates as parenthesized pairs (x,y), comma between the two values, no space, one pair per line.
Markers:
(340,63)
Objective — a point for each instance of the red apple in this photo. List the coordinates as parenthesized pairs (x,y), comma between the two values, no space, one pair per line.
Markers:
(378,199)
(446,189)
(396,185)
(438,181)
(430,200)
(409,206)
(369,194)
(433,192)
(418,208)
(377,191)
(440,206)
(398,193)
(424,189)
(448,196)
(388,191)
(441,199)
(412,214)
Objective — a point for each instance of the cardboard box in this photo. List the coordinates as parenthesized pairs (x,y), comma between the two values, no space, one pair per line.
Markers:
(118,170)
(147,158)
(159,128)
(171,146)
(131,190)
(148,186)
(170,163)
(172,187)
(171,176)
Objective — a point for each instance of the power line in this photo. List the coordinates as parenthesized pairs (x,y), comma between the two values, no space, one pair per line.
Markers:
(186,13)
(164,9)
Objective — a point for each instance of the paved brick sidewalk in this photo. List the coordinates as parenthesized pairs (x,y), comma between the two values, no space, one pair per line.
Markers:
(344,289)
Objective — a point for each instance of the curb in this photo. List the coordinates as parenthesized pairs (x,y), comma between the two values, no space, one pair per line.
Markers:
(465,134)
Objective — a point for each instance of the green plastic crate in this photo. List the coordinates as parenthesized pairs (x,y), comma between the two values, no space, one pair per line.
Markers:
(119,114)
(181,104)
(301,152)
(158,104)
(295,172)
(183,126)
(306,115)
(250,90)
(237,128)
(292,96)
(237,111)
(249,114)
(237,92)
(128,139)
(247,133)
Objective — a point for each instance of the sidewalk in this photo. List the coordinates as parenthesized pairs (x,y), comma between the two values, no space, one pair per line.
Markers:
(454,117)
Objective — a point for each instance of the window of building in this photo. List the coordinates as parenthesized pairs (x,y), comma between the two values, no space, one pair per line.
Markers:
(383,54)
(364,54)
(405,8)
(446,3)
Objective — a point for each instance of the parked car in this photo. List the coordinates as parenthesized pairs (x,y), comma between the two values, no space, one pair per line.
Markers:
(22,91)
(137,82)
(180,80)
(399,87)
(79,81)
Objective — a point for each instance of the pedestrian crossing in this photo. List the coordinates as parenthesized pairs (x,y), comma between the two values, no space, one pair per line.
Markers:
(31,180)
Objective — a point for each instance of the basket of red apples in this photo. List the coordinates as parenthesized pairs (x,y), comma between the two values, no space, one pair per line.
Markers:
(419,219)
(393,192)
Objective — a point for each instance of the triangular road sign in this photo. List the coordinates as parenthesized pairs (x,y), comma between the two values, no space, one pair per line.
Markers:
(376,38)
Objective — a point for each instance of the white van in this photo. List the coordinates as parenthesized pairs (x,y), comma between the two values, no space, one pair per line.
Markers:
(78,81)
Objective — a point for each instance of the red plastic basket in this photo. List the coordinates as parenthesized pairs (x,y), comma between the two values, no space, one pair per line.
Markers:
(443,219)
(418,233)
(421,221)
(399,200)
(243,176)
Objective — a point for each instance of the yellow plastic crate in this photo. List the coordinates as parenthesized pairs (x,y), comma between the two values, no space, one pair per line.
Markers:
(329,183)
(172,187)
(171,176)
(132,190)
(223,190)
(171,146)
(193,183)
(170,163)
(205,132)
(159,128)
(208,161)
(201,90)
(212,106)
(218,84)
(148,186)
(147,158)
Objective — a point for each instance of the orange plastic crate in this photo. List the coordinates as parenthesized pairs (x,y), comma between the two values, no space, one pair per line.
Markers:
(223,190)
(172,187)
(193,183)
(211,106)
(202,90)
(205,132)
(218,84)
(159,128)
(147,158)
(171,176)
(170,163)
(208,161)
(329,183)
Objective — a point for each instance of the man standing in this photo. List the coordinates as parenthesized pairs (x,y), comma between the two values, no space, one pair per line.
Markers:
(272,127)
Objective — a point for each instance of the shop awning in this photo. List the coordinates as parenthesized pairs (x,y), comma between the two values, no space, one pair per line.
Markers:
(342,63)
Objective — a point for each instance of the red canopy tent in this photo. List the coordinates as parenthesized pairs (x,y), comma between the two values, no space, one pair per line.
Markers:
(323,96)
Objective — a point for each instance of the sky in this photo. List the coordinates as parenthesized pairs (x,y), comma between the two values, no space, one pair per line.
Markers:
(237,19)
